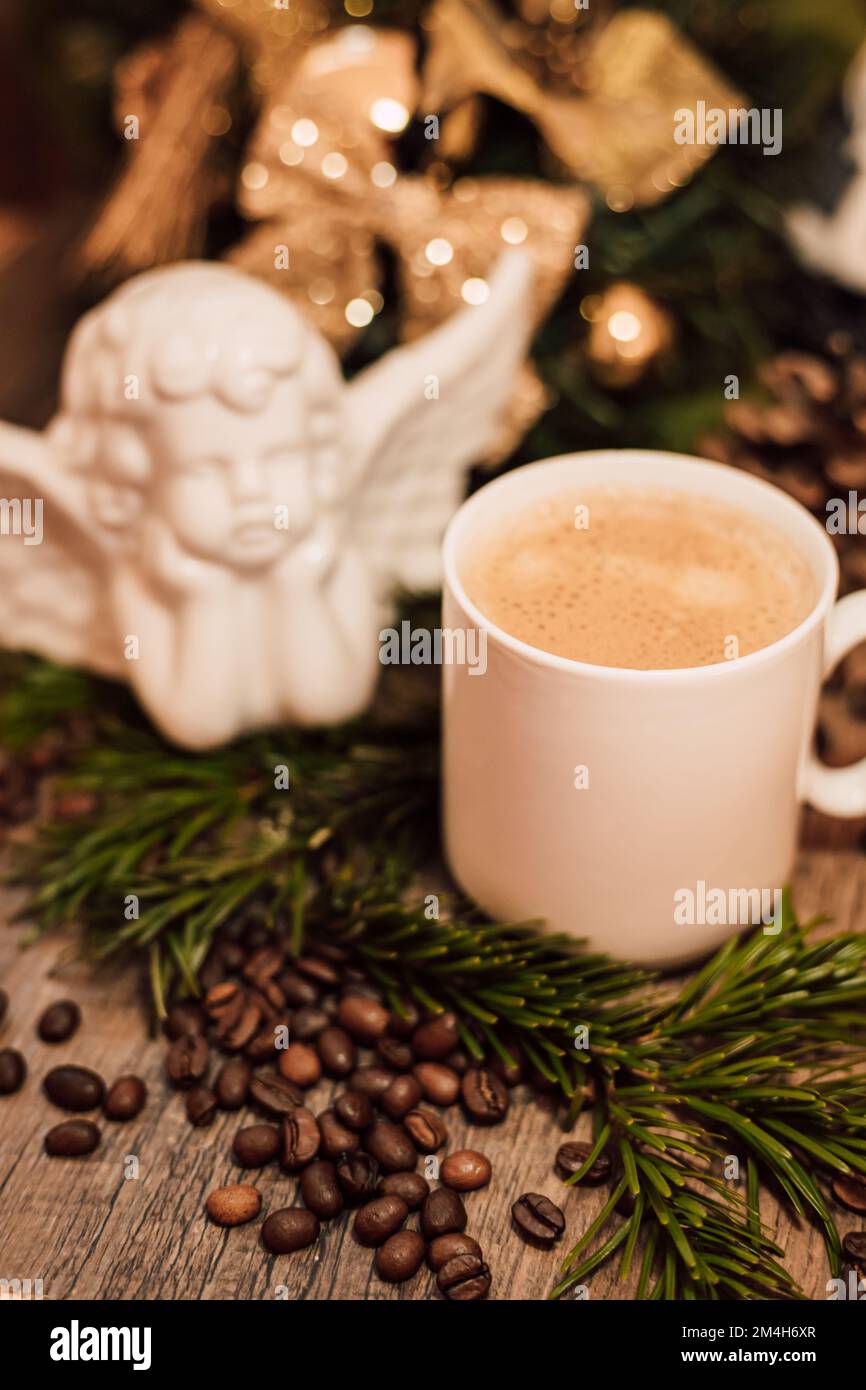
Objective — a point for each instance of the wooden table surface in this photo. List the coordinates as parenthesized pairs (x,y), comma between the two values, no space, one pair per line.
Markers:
(89,1230)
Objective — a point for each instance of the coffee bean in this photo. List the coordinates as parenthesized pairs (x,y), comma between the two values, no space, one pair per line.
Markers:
(297,991)
(410,1186)
(441,1213)
(854,1246)
(234,1205)
(402,1095)
(126,1098)
(59,1021)
(318,970)
(400,1257)
(537,1218)
(72,1139)
(464,1279)
(391,1147)
(308,1022)
(371,1081)
(256,1145)
(484,1096)
(293,1228)
(379,1219)
(329,950)
(240,1033)
(74,1088)
(201,1106)
(439,1083)
(186,1061)
(571,1157)
(233,1083)
(263,1047)
(300,1063)
(364,1018)
(395,1053)
(354,1109)
(509,1073)
(458,1061)
(434,1039)
(275,1094)
(263,965)
(426,1130)
(4,1004)
(358,1175)
(337,1140)
(300,1138)
(188,1017)
(320,1190)
(13,1070)
(444,1248)
(850,1190)
(224,999)
(466,1170)
(337,1051)
(403,1025)
(231,956)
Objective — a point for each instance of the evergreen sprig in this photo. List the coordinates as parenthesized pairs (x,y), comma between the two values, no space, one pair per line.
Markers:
(756,1057)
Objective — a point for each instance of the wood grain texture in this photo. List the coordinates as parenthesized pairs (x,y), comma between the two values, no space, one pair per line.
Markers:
(89,1231)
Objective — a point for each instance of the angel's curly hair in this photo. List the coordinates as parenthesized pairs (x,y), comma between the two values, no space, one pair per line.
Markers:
(173,334)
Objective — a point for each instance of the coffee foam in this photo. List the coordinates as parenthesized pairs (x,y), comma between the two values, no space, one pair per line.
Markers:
(647,580)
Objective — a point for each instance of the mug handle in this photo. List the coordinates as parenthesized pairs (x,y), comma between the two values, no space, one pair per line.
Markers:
(840,791)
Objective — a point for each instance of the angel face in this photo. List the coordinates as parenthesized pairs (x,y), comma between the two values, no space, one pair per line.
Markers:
(235,487)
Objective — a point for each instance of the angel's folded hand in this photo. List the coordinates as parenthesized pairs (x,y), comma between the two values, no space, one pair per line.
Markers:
(177,572)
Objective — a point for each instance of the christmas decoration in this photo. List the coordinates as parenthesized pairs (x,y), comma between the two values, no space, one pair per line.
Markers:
(225,518)
(628,332)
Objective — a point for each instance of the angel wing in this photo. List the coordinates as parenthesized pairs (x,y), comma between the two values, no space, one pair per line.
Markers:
(418,418)
(53,596)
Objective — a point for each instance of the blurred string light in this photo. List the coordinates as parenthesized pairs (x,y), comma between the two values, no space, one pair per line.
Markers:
(628,332)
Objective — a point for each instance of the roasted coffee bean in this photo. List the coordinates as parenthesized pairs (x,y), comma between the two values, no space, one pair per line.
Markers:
(371,1081)
(242,1031)
(4,1004)
(231,956)
(364,1018)
(571,1157)
(403,1025)
(320,1190)
(227,995)
(188,1017)
(201,1106)
(464,1279)
(263,965)
(400,1257)
(509,1073)
(410,1186)
(255,932)
(321,972)
(308,1022)
(336,1138)
(74,1088)
(537,1218)
(328,950)
(484,1096)
(379,1219)
(234,1205)
(233,1083)
(850,1190)
(125,1098)
(354,1109)
(358,1175)
(337,1051)
(186,1061)
(296,990)
(854,1246)
(458,1061)
(444,1248)
(439,1083)
(256,1145)
(395,1053)
(13,1070)
(391,1147)
(441,1213)
(300,1138)
(72,1139)
(402,1095)
(300,1063)
(426,1130)
(263,1047)
(59,1021)
(293,1228)
(466,1170)
(274,1093)
(434,1039)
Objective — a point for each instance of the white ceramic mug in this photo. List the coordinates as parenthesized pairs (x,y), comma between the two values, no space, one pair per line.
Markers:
(695,775)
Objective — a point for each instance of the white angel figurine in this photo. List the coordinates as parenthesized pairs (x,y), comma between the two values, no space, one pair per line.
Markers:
(224,518)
